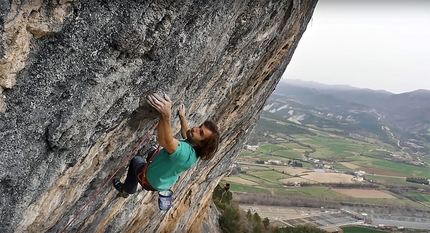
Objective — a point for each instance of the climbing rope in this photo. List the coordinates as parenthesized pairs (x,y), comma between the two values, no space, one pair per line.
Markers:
(110,178)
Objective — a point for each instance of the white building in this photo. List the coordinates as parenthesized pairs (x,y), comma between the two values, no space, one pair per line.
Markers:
(359,173)
(251,148)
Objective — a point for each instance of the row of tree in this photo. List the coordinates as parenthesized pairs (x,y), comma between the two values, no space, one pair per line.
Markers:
(418,180)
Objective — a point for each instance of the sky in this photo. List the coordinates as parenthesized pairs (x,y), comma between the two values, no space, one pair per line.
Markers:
(379,44)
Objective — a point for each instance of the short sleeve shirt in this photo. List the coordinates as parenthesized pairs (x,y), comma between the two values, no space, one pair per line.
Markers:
(165,168)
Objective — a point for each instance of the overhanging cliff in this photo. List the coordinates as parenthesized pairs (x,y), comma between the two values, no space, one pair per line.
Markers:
(73,77)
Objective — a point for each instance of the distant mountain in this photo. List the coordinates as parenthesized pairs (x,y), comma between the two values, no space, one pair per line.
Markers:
(320,86)
(399,119)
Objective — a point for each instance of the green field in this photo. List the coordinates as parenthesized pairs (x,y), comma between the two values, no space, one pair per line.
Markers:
(302,143)
(354,229)
(291,154)
(329,147)
(426,159)
(402,168)
(294,146)
(245,153)
(335,148)
(250,178)
(282,151)
(421,197)
(267,157)
(249,189)
(387,180)
(255,168)
(340,167)
(271,175)
(268,148)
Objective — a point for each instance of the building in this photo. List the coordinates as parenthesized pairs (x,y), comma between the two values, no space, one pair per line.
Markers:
(274,162)
(251,148)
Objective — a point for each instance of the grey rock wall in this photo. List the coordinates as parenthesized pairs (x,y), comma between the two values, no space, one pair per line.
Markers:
(73,77)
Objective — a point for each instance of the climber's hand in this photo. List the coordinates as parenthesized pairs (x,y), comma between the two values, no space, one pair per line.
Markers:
(162,105)
(181,111)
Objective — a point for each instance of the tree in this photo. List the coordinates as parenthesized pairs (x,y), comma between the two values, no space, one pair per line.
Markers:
(249,215)
(229,220)
(226,197)
(257,229)
(266,222)
(256,222)
(256,217)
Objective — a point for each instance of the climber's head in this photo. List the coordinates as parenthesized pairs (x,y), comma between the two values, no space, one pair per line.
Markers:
(205,139)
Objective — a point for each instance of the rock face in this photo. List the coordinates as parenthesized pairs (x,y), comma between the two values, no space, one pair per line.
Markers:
(73,77)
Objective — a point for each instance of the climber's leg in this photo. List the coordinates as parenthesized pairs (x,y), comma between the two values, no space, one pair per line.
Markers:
(130,184)
(119,186)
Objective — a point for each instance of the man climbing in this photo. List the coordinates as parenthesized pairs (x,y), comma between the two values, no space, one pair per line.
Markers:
(175,157)
(226,190)
(227,187)
(222,193)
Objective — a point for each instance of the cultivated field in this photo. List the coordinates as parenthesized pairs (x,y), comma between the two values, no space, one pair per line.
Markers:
(318,177)
(364,193)
(350,165)
(296,180)
(292,171)
(315,151)
(239,180)
(378,171)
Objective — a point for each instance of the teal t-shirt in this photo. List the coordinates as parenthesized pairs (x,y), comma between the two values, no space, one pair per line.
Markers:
(165,168)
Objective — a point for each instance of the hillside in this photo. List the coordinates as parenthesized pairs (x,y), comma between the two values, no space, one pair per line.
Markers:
(402,120)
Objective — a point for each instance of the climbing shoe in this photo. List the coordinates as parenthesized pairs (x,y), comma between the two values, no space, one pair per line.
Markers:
(118,186)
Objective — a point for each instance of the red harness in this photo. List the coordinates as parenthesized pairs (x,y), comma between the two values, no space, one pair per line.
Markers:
(142,176)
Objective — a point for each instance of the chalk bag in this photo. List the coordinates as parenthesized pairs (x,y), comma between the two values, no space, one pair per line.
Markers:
(165,199)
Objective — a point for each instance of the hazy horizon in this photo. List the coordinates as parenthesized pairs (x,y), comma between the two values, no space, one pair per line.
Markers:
(378,45)
(286,80)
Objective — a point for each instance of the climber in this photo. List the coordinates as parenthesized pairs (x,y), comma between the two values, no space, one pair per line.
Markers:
(227,187)
(175,157)
(225,190)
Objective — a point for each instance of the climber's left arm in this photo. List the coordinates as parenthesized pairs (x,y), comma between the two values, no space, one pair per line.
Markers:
(164,131)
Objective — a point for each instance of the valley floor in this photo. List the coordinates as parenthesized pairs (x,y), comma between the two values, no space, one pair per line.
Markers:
(322,218)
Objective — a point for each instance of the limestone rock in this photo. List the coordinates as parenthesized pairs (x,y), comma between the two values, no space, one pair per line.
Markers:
(73,77)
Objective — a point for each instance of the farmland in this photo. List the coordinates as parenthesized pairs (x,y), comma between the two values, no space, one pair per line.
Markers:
(272,179)
(328,163)
(330,154)
(364,193)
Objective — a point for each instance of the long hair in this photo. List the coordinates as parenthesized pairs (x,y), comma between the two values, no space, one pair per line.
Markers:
(209,145)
